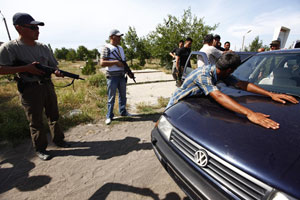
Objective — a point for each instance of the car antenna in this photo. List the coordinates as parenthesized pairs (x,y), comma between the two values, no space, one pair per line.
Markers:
(6,26)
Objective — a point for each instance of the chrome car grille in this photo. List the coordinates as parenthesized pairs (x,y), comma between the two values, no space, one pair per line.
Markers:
(234,180)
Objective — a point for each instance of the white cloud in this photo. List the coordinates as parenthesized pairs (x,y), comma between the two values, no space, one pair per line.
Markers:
(264,24)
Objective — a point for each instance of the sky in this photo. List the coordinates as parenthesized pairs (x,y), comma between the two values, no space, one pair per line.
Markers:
(71,23)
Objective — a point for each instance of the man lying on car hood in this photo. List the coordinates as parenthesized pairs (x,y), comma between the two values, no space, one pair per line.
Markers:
(203,80)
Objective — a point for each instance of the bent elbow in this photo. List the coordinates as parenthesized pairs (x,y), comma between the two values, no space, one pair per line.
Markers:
(102,64)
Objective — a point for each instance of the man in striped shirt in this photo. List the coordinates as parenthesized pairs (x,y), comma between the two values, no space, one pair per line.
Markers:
(116,80)
(203,80)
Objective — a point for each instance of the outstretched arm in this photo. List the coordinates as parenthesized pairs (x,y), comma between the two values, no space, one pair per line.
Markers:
(250,87)
(257,118)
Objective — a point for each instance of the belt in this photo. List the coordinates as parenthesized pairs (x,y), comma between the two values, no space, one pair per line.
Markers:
(42,82)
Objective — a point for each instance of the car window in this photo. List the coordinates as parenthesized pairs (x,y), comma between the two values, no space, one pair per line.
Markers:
(193,61)
(280,72)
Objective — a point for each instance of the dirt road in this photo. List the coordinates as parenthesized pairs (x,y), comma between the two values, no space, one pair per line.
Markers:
(104,162)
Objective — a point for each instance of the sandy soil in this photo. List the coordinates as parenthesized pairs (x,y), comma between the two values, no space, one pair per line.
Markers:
(104,162)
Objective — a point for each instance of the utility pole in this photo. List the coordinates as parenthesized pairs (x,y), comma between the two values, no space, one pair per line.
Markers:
(6,26)
(244,39)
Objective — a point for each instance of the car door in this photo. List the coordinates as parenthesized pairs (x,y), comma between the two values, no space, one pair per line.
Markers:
(194,55)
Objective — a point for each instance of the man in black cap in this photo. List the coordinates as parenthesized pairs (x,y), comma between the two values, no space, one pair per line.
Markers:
(115,74)
(275,45)
(35,87)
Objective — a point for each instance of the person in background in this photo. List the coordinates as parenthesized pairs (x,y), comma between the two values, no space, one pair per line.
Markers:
(297,44)
(217,42)
(181,59)
(115,74)
(261,49)
(275,45)
(213,54)
(176,50)
(35,87)
(227,46)
(173,54)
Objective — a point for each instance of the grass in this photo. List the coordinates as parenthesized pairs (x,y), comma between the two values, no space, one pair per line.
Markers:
(147,108)
(88,96)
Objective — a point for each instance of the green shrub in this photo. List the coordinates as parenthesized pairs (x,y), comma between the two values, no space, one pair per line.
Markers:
(89,68)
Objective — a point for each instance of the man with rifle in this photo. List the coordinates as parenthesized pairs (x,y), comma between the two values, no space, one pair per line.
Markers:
(35,85)
(113,58)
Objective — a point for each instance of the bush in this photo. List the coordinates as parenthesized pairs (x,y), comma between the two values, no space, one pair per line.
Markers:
(97,80)
(89,68)
(13,123)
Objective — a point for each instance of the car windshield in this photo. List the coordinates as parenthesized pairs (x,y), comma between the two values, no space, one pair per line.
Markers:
(278,72)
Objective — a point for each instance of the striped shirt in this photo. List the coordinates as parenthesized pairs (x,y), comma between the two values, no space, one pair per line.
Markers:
(110,52)
(200,81)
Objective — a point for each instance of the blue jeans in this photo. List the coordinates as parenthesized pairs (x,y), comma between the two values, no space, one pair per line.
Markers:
(114,83)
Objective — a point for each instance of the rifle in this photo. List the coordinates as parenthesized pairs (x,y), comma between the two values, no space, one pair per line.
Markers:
(49,70)
(126,67)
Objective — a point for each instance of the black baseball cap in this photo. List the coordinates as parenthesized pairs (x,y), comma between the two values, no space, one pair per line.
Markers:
(24,18)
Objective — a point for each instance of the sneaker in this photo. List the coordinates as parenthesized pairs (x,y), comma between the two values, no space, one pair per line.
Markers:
(107,121)
(62,144)
(43,155)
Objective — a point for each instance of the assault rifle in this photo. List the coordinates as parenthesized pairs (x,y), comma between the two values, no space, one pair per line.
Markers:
(50,70)
(126,67)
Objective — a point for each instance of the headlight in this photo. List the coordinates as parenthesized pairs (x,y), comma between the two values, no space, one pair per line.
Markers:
(280,196)
(165,127)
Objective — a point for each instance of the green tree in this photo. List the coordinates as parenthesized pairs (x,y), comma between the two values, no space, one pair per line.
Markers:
(82,53)
(93,53)
(131,41)
(142,52)
(71,55)
(167,35)
(61,54)
(255,45)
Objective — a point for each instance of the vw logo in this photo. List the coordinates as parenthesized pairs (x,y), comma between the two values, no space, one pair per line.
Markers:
(201,158)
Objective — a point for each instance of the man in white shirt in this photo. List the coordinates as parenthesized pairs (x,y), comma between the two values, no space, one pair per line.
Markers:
(115,74)
(213,54)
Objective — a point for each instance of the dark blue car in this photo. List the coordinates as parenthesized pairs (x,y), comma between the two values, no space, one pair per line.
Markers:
(213,153)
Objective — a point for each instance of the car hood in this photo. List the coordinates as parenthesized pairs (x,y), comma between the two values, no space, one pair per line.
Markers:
(272,156)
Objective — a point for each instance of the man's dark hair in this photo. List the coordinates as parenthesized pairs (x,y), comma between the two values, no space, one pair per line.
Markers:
(208,39)
(228,60)
(189,39)
(217,37)
(181,41)
(297,45)
(227,42)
